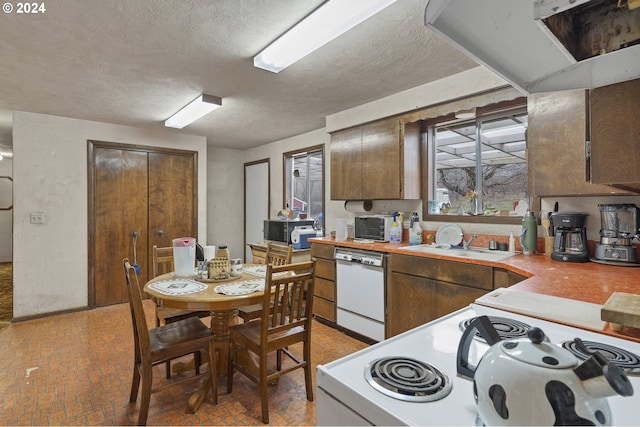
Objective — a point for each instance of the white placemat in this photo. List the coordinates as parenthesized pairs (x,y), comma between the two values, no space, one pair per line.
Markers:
(259,270)
(178,286)
(241,288)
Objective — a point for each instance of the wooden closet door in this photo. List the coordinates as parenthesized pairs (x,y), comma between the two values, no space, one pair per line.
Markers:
(120,208)
(172,198)
(135,189)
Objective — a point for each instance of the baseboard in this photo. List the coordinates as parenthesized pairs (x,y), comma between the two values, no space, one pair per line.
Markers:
(43,315)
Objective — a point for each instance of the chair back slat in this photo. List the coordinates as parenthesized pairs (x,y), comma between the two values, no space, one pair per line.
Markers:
(162,260)
(138,318)
(278,254)
(291,297)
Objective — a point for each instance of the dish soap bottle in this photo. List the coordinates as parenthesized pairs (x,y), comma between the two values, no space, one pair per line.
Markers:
(395,231)
(415,234)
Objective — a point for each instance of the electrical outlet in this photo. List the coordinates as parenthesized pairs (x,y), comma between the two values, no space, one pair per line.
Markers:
(37,217)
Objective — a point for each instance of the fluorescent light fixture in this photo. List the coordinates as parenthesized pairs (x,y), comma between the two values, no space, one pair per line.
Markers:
(466,114)
(324,24)
(197,108)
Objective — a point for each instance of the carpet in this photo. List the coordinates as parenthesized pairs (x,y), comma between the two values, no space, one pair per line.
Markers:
(6,293)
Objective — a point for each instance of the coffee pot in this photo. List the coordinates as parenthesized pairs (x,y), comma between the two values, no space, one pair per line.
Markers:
(530,381)
(570,243)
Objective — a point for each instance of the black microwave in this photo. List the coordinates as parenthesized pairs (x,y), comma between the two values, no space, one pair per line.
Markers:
(280,231)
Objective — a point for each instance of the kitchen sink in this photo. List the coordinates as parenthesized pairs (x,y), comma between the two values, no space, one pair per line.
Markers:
(471,253)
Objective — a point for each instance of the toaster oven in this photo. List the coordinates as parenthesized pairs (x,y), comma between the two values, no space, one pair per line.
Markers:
(373,227)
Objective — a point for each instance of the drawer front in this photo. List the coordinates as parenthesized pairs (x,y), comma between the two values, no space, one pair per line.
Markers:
(416,266)
(325,269)
(475,276)
(324,288)
(324,308)
(321,250)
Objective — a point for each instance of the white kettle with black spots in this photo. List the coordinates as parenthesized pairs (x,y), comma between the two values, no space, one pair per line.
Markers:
(531,381)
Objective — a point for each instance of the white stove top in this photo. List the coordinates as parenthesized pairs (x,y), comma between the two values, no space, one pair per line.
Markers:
(436,343)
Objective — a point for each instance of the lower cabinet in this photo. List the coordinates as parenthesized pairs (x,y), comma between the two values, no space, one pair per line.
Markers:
(324,294)
(423,289)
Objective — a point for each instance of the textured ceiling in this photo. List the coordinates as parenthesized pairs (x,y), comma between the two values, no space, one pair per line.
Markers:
(136,62)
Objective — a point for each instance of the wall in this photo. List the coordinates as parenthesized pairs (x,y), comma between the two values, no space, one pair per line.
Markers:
(50,266)
(6,217)
(225,199)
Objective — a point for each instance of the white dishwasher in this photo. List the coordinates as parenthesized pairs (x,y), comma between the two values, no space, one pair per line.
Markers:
(360,291)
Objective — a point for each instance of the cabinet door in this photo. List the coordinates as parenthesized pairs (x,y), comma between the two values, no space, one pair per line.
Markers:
(450,297)
(381,159)
(346,164)
(615,135)
(556,142)
(410,303)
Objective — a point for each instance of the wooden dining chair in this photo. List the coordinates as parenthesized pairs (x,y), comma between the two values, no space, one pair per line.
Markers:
(162,344)
(289,324)
(276,255)
(163,263)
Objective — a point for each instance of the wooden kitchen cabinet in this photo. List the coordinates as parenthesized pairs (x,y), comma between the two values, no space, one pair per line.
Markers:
(376,161)
(324,277)
(423,289)
(410,302)
(615,135)
(556,145)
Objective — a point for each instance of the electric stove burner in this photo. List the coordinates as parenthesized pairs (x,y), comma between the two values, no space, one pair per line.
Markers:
(506,328)
(407,379)
(629,362)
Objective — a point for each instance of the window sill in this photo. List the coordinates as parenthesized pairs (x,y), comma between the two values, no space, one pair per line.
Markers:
(479,219)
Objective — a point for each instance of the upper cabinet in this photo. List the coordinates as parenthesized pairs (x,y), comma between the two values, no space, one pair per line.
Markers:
(615,135)
(376,161)
(557,138)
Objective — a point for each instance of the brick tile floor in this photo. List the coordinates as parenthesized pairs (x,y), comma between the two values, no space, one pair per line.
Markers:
(75,369)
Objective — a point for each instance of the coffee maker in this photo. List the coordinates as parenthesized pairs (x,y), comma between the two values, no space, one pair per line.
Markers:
(570,243)
(619,225)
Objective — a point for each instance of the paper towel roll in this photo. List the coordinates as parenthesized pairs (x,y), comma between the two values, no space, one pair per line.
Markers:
(358,206)
(209,252)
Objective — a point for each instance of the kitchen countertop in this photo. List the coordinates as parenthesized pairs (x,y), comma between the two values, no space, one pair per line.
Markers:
(590,281)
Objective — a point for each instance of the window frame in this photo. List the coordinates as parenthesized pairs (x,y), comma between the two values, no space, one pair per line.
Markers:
(286,172)
(428,135)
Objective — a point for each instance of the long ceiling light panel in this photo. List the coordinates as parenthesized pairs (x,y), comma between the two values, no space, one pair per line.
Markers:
(324,24)
(202,105)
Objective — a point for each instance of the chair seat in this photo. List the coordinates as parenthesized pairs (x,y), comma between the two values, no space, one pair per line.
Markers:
(170,315)
(249,333)
(250,312)
(176,333)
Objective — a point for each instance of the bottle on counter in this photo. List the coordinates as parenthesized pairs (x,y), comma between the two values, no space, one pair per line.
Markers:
(395,231)
(222,252)
(415,234)
(512,244)
(529,236)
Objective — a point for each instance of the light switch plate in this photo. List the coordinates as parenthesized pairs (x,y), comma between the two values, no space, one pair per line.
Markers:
(37,217)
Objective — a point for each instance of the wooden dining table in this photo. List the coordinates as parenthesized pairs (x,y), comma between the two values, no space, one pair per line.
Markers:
(223,308)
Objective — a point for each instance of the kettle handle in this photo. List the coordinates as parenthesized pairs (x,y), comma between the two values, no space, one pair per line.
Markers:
(483,325)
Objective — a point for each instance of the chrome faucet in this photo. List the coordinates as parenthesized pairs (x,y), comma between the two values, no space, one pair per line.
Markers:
(466,243)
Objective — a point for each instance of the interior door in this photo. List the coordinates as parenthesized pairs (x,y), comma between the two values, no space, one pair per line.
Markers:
(133,189)
(120,209)
(172,198)
(256,202)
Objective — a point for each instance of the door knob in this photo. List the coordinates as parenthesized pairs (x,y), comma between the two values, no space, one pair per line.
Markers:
(160,232)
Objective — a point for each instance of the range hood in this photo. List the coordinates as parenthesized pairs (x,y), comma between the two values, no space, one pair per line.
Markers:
(545,45)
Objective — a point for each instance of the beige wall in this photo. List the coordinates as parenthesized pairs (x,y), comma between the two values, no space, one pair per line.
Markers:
(50,175)
(6,217)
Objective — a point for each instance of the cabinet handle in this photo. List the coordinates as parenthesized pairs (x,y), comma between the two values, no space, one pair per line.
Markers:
(160,232)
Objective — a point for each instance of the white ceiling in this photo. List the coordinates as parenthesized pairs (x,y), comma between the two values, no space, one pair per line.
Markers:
(136,62)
